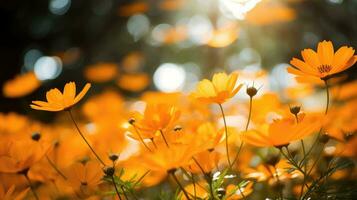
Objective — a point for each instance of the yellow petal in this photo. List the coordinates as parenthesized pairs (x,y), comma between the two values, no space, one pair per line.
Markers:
(82,93)
(325,52)
(311,58)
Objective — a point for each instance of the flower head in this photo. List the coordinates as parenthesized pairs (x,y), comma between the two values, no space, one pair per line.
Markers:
(324,62)
(57,101)
(220,89)
(21,85)
(282,131)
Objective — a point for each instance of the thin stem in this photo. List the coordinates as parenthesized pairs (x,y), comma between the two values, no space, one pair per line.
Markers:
(179,184)
(85,140)
(279,183)
(31,187)
(153,142)
(304,179)
(327,97)
(122,188)
(250,112)
(116,189)
(163,136)
(211,187)
(141,178)
(194,186)
(239,149)
(140,138)
(226,135)
(199,166)
(55,167)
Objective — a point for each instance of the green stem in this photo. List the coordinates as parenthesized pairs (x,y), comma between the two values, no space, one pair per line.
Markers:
(250,112)
(226,135)
(85,140)
(179,184)
(327,97)
(116,188)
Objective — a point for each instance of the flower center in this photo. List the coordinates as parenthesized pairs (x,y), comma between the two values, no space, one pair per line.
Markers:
(324,68)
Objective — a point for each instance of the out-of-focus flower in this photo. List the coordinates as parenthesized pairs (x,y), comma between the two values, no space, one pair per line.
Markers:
(345,91)
(133,8)
(104,106)
(11,195)
(234,192)
(84,178)
(166,159)
(57,101)
(16,156)
(101,72)
(269,173)
(132,169)
(133,61)
(270,12)
(220,89)
(224,36)
(18,122)
(198,190)
(282,131)
(323,63)
(208,161)
(133,82)
(170,5)
(21,85)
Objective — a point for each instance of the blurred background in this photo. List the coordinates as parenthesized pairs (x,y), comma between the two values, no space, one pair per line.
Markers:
(168,45)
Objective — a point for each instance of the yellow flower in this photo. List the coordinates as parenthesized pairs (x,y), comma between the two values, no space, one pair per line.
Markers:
(101,72)
(57,101)
(21,85)
(220,89)
(10,194)
(323,63)
(282,131)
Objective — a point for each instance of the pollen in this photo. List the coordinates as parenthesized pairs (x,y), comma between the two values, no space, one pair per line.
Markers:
(324,68)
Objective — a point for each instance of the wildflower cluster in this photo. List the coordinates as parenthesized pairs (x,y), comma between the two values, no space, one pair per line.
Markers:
(208,144)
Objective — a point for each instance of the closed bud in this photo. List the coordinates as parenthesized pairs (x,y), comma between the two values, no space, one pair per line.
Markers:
(109,171)
(272,159)
(295,110)
(251,91)
(348,136)
(131,121)
(324,138)
(177,128)
(36,136)
(221,192)
(113,157)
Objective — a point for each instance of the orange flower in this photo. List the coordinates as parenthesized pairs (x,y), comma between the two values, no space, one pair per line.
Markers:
(198,189)
(133,82)
(57,101)
(234,192)
(269,173)
(220,89)
(84,177)
(323,63)
(19,155)
(224,36)
(157,117)
(21,85)
(165,159)
(133,8)
(101,72)
(282,131)
(9,194)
